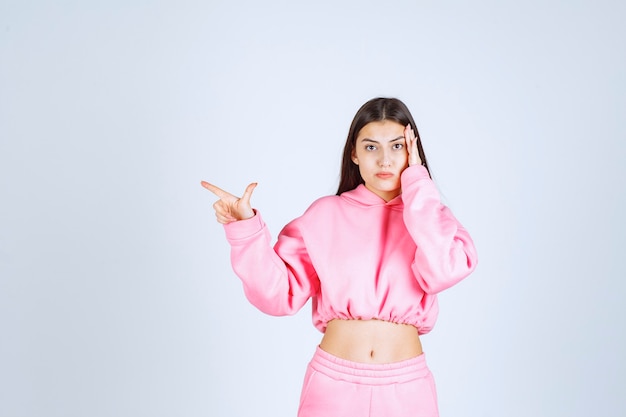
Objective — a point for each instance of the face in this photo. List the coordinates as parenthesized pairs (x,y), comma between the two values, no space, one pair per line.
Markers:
(381,154)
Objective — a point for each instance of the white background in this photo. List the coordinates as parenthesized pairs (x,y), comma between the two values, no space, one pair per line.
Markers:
(116,292)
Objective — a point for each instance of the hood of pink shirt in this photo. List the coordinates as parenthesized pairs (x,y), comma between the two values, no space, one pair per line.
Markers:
(361,196)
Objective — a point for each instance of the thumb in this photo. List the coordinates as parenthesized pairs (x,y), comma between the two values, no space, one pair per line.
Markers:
(245,198)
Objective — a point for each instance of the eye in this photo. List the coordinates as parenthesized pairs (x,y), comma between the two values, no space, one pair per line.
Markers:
(370,147)
(398,145)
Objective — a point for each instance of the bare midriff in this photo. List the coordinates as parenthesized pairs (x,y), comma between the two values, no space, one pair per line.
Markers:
(371,341)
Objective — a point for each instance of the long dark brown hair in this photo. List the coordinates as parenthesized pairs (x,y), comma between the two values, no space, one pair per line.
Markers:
(375,110)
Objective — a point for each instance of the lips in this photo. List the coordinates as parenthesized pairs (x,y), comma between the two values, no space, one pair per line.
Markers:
(384,175)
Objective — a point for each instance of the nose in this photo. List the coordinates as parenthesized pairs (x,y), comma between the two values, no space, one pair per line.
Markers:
(385,161)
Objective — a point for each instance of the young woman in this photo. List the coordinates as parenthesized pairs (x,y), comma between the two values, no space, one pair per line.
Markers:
(372,258)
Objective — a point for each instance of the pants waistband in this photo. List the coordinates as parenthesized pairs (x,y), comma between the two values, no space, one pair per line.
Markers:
(369,373)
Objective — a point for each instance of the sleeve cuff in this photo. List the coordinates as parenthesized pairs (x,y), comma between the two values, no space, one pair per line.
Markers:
(242,229)
(414,173)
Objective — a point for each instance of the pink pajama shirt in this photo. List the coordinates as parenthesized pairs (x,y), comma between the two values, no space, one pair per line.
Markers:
(357,256)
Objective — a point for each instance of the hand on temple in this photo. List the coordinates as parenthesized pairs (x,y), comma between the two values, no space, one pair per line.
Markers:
(411,146)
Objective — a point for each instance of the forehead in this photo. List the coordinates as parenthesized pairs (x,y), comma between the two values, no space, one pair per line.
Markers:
(384,130)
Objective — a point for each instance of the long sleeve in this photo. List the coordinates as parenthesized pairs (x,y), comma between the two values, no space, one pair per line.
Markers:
(278,280)
(445,252)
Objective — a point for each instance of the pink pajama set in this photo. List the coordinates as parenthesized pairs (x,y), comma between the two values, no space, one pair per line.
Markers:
(359,257)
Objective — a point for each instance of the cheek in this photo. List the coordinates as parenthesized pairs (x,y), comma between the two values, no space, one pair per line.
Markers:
(402,158)
(362,170)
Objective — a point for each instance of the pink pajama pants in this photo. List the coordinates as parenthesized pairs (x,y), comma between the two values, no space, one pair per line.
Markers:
(335,387)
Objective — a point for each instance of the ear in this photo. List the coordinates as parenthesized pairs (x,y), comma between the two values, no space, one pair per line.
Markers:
(354,158)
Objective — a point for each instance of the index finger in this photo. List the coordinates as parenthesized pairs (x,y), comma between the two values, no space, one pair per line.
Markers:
(215,189)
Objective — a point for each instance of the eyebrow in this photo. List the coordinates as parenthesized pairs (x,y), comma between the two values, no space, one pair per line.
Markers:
(375,141)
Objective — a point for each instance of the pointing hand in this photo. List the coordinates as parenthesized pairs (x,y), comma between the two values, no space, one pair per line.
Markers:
(230,208)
